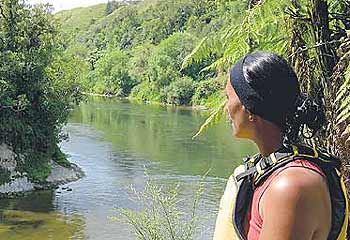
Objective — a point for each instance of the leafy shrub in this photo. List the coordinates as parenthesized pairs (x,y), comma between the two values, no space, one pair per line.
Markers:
(37,85)
(138,62)
(112,74)
(180,91)
(205,89)
(161,70)
(145,92)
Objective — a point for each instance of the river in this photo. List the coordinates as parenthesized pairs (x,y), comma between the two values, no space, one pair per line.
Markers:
(119,144)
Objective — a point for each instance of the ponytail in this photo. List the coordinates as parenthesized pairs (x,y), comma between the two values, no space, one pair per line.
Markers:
(308,113)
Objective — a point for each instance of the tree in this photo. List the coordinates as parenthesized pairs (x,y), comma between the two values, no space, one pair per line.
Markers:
(109,8)
(112,72)
(139,62)
(180,91)
(112,5)
(33,103)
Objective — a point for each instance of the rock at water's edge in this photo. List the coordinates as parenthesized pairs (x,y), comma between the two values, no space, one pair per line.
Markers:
(61,175)
(19,183)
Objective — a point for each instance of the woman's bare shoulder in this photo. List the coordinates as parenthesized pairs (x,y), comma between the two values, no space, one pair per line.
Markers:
(298,201)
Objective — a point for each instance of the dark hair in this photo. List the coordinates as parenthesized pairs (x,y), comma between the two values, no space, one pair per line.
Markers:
(308,113)
(273,78)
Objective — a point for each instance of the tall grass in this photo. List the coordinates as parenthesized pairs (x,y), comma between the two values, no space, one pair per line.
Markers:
(166,214)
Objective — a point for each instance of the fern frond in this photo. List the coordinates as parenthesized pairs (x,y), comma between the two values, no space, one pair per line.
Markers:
(343,116)
(218,64)
(345,87)
(207,47)
(214,117)
(346,131)
(198,53)
(344,98)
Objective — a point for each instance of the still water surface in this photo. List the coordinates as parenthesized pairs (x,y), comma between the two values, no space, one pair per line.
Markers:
(119,144)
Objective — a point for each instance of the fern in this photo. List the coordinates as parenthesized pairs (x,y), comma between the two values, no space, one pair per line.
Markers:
(196,54)
(345,87)
(262,27)
(344,98)
(214,117)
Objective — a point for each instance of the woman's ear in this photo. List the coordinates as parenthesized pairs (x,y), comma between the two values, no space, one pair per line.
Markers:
(251,116)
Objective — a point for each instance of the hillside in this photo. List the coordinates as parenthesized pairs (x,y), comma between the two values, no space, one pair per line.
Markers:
(76,21)
(136,49)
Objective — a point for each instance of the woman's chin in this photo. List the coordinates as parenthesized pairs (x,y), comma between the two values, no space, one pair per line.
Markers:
(235,133)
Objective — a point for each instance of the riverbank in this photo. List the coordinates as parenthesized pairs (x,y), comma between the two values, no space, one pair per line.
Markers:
(15,183)
(133,100)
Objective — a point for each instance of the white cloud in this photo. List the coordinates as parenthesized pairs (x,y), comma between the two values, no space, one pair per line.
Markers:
(68,4)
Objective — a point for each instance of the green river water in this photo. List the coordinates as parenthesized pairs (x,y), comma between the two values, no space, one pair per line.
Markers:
(119,144)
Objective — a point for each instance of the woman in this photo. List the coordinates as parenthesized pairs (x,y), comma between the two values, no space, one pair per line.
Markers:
(287,191)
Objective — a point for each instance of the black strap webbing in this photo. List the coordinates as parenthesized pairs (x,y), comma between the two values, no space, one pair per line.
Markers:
(264,166)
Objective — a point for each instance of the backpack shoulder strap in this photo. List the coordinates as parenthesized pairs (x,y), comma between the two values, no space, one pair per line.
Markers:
(259,168)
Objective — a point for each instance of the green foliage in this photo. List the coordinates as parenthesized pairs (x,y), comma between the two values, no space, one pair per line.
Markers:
(161,216)
(261,27)
(151,37)
(123,29)
(145,92)
(73,23)
(161,70)
(60,158)
(36,166)
(138,63)
(111,71)
(177,46)
(214,117)
(205,89)
(111,6)
(180,92)
(163,18)
(37,86)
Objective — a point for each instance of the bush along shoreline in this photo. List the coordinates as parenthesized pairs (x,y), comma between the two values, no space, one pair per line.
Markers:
(38,87)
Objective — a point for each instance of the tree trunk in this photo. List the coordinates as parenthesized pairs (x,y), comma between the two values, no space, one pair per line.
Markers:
(322,35)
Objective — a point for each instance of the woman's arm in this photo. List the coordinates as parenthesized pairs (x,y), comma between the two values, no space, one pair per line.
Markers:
(296,206)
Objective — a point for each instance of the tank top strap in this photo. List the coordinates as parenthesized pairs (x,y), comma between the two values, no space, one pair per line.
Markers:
(296,163)
(254,220)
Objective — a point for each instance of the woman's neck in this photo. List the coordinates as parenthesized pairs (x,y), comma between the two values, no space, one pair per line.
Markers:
(269,139)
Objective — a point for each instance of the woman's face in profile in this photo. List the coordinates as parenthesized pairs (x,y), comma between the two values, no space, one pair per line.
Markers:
(239,117)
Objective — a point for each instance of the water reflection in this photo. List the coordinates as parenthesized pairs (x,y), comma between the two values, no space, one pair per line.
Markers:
(119,144)
(35,202)
(163,134)
(32,217)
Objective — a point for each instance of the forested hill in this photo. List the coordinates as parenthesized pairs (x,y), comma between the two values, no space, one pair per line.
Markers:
(179,51)
(137,48)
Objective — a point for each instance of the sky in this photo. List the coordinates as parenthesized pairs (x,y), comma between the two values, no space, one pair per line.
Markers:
(68,4)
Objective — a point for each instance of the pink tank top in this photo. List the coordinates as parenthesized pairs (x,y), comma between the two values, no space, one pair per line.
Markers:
(254,221)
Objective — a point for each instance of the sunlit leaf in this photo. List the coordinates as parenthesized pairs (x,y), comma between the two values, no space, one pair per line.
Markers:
(214,117)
